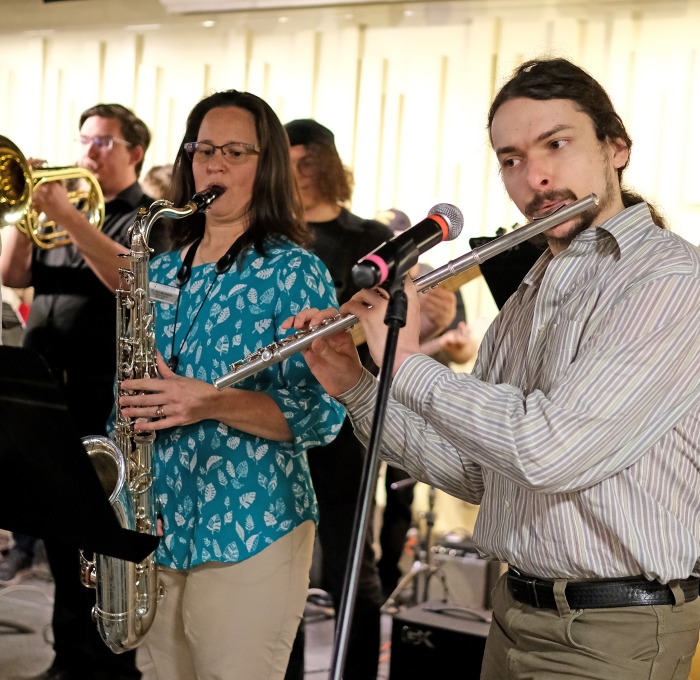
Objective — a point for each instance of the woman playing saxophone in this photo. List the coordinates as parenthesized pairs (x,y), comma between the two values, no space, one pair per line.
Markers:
(235,497)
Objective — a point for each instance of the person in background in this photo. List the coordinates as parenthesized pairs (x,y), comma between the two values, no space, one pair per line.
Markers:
(156,181)
(72,326)
(455,344)
(232,478)
(340,240)
(578,432)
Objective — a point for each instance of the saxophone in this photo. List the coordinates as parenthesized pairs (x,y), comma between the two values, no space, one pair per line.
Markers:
(127,594)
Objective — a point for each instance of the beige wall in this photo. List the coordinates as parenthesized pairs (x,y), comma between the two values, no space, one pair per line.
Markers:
(405,87)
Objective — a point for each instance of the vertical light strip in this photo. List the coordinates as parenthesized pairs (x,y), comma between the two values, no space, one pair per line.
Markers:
(399,133)
(102,51)
(316,75)
(361,38)
(382,129)
(441,124)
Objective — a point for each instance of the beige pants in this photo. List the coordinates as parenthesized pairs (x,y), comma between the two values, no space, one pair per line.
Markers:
(622,643)
(233,621)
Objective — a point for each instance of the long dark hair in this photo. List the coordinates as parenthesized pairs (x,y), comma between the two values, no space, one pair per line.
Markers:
(334,181)
(274,209)
(544,79)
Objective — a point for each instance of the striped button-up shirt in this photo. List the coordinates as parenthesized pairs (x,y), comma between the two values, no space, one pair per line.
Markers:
(578,432)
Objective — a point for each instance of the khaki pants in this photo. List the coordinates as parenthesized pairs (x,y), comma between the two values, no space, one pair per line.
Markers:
(623,643)
(233,621)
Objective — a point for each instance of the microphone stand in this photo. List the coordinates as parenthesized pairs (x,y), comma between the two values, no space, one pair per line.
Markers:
(395,319)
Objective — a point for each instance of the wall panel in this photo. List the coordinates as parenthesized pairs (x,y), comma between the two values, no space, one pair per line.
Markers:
(406,92)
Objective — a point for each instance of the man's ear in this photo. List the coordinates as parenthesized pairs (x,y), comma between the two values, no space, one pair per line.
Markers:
(620,153)
(137,154)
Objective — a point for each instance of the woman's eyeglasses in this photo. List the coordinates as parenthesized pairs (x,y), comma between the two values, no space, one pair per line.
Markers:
(235,153)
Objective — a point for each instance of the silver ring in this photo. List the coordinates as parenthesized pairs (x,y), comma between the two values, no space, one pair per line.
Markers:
(159,412)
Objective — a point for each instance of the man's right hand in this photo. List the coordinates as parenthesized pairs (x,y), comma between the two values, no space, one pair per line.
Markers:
(333,359)
(51,198)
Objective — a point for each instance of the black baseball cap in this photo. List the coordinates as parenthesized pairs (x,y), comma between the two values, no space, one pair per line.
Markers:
(307,131)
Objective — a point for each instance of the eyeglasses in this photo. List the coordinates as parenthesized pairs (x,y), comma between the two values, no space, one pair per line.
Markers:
(102,142)
(235,153)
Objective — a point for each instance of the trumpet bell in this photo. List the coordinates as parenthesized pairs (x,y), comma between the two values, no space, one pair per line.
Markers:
(18,180)
(15,183)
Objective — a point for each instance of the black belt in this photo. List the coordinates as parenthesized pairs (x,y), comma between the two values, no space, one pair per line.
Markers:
(624,592)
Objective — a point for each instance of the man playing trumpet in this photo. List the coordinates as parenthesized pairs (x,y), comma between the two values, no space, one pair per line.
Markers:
(72,325)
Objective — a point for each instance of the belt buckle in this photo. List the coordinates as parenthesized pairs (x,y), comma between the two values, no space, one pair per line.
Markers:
(532,590)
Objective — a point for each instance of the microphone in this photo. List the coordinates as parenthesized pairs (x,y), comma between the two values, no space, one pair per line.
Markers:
(398,255)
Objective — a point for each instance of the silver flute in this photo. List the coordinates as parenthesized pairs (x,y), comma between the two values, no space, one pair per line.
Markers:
(279,351)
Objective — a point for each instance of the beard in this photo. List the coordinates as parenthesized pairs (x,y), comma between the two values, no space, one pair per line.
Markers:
(582,221)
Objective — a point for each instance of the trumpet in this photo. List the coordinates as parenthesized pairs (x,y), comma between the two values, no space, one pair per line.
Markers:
(279,351)
(17,183)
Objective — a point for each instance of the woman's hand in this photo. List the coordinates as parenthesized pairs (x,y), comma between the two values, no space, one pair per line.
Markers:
(166,401)
(333,359)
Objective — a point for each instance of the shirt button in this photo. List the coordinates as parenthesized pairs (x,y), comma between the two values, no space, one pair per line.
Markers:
(541,327)
(506,504)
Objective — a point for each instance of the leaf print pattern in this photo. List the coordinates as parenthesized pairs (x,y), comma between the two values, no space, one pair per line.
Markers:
(262,325)
(247,499)
(225,494)
(222,344)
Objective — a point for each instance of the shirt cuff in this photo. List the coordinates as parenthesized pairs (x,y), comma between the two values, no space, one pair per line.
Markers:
(360,399)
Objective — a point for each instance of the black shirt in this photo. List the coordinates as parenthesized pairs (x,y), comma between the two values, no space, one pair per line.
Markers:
(72,322)
(340,243)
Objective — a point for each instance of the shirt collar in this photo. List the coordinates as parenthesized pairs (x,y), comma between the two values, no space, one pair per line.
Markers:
(627,228)
(132,196)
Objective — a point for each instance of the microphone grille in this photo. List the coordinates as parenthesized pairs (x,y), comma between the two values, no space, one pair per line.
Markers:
(453,215)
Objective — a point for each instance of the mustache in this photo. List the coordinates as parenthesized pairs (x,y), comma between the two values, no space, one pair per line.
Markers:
(548,197)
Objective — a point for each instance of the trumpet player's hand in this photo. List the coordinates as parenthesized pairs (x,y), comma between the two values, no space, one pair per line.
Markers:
(51,198)
(36,163)
(333,359)
(370,305)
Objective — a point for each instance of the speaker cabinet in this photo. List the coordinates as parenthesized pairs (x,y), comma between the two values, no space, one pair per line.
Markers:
(469,578)
(434,638)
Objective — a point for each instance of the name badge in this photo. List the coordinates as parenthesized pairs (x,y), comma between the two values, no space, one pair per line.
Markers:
(160,292)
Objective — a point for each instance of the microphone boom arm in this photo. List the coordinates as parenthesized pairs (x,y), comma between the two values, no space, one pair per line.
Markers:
(279,351)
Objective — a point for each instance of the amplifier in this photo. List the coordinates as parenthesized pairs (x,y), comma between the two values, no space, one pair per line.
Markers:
(470,579)
(434,638)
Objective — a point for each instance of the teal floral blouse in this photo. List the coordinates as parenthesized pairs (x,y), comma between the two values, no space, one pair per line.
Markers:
(223,494)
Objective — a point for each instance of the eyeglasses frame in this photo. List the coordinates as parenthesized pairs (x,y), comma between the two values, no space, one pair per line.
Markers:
(191,148)
(106,143)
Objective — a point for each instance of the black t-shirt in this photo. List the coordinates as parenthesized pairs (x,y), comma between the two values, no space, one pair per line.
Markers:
(72,322)
(340,243)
